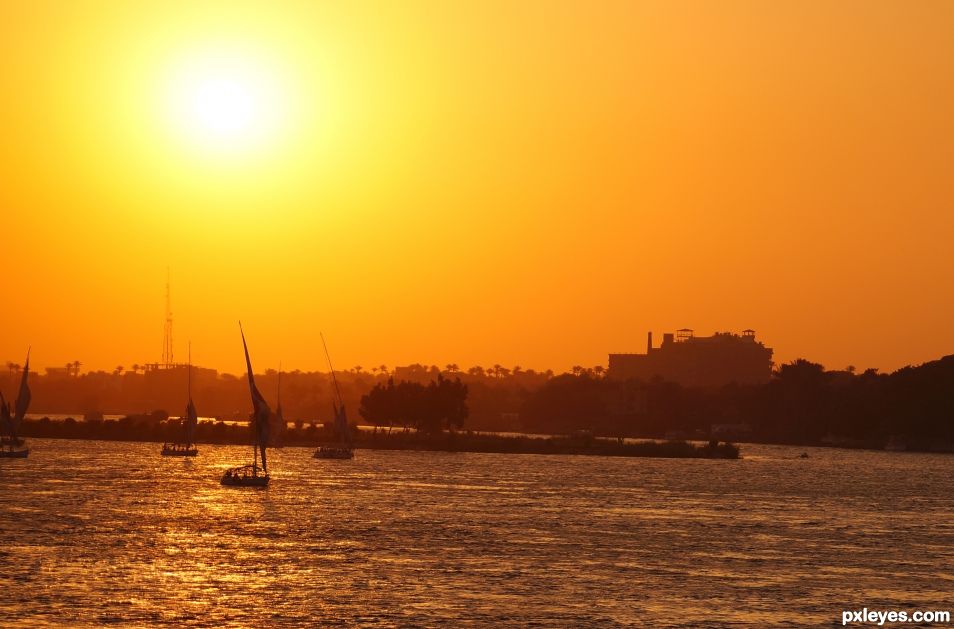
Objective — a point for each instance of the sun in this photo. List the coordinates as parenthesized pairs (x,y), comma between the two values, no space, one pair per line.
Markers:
(225,107)
(225,102)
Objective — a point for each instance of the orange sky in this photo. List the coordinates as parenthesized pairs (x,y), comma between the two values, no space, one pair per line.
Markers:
(532,183)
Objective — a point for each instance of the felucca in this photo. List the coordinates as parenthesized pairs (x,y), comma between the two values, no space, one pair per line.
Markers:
(185,447)
(252,475)
(11,446)
(342,448)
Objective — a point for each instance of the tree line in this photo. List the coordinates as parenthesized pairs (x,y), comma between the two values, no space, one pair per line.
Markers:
(802,403)
(432,408)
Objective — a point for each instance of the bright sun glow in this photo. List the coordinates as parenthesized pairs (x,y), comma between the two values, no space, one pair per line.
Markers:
(226,103)
(225,107)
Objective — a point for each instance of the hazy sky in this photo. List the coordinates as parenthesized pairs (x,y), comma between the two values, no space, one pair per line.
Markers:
(532,183)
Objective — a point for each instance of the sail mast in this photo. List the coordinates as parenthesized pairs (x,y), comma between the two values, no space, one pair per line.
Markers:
(191,418)
(278,411)
(331,367)
(23,395)
(261,411)
(341,418)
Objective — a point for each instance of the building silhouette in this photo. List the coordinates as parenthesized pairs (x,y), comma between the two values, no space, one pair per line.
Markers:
(697,361)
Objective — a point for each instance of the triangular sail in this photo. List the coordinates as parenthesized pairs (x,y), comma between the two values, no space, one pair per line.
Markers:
(341,425)
(191,417)
(23,396)
(261,413)
(279,420)
(6,421)
(341,418)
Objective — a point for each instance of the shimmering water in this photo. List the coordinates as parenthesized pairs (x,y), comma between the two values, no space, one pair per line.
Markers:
(96,533)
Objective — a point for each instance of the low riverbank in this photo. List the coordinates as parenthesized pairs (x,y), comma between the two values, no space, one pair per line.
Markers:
(312,436)
(472,442)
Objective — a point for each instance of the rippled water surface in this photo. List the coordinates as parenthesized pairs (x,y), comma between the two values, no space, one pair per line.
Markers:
(96,533)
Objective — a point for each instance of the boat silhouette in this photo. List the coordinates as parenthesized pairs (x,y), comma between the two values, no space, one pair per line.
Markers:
(11,446)
(341,448)
(252,475)
(187,446)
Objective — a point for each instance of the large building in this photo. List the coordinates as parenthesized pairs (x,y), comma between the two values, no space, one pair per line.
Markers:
(698,361)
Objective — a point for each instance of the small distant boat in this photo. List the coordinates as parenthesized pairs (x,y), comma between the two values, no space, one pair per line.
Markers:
(11,446)
(332,452)
(252,475)
(245,476)
(342,448)
(186,447)
(179,449)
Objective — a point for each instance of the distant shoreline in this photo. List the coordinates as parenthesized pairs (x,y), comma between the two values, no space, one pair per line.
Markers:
(223,434)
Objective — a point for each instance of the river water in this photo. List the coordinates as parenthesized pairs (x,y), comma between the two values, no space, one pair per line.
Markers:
(101,533)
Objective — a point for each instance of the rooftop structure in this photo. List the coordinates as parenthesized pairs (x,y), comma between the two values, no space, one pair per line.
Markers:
(697,361)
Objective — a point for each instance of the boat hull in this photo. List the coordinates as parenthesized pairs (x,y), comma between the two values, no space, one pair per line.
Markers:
(14,454)
(245,476)
(334,453)
(178,451)
(261,481)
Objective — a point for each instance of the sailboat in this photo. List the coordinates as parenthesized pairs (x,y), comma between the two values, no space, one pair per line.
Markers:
(186,447)
(252,475)
(11,446)
(342,448)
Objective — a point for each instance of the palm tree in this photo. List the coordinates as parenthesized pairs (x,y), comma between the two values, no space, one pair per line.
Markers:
(452,368)
(577,370)
(118,370)
(599,371)
(383,369)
